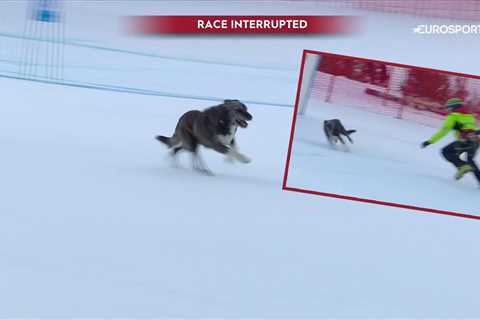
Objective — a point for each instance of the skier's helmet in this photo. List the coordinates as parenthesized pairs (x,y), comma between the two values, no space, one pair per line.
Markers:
(453,104)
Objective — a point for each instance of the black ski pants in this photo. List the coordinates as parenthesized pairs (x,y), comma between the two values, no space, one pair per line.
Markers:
(456,149)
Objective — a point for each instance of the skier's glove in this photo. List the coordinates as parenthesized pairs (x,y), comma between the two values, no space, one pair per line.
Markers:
(425,144)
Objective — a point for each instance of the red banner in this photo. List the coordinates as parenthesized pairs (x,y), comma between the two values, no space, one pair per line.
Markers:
(243,24)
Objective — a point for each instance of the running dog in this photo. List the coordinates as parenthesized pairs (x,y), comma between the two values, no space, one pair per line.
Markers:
(334,130)
(213,128)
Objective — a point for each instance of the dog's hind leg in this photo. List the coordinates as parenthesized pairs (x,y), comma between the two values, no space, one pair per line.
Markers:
(189,143)
(197,162)
(328,133)
(199,165)
(173,157)
(348,133)
(174,149)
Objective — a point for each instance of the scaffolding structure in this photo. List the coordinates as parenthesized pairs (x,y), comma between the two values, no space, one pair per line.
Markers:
(43,45)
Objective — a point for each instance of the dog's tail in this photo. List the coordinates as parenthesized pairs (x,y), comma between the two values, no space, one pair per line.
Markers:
(165,140)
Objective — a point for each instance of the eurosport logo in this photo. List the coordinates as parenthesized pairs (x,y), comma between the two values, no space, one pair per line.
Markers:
(447,29)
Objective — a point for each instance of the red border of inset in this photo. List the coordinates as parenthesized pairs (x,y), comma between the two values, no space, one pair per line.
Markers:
(351,198)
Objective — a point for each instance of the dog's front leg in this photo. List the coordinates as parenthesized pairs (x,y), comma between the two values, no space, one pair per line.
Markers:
(234,154)
(230,152)
(228,157)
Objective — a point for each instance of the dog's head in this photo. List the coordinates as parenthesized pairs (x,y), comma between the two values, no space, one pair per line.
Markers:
(238,112)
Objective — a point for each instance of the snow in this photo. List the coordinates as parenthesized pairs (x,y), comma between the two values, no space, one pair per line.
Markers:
(384,163)
(95,222)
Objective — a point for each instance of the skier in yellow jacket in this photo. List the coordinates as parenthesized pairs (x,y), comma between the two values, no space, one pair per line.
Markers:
(463,123)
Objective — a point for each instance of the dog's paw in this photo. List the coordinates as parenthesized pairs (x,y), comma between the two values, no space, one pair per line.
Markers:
(172,161)
(238,156)
(243,158)
(204,171)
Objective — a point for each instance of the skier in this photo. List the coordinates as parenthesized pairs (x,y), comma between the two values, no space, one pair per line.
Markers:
(467,141)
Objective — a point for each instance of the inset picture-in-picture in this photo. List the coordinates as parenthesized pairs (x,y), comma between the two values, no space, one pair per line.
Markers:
(386,133)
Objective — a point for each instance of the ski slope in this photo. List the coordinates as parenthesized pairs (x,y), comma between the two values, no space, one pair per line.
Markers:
(384,163)
(95,222)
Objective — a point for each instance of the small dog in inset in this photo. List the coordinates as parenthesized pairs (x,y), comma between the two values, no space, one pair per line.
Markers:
(213,128)
(334,130)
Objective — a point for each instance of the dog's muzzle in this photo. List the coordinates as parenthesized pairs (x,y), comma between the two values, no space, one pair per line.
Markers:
(242,123)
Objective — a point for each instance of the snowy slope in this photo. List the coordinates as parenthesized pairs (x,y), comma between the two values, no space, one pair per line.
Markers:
(384,163)
(94,222)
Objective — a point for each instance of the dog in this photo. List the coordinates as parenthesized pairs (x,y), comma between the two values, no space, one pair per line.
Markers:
(213,128)
(334,130)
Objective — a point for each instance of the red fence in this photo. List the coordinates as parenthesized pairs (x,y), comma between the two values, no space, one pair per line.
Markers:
(450,9)
(407,93)
(453,9)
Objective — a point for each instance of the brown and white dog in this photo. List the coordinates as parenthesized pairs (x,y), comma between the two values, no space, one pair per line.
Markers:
(213,128)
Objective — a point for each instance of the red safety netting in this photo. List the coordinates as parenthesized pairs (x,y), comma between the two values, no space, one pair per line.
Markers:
(449,9)
(408,93)
(453,9)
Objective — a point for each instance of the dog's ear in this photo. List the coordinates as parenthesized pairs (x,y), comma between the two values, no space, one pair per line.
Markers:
(230,100)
